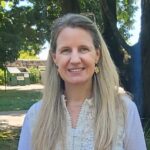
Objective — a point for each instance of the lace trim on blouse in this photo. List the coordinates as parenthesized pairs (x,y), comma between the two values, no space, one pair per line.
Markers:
(82,137)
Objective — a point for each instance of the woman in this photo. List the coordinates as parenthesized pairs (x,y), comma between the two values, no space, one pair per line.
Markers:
(83,107)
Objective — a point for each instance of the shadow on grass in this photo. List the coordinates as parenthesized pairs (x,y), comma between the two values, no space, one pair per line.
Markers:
(9,136)
(14,100)
(146,127)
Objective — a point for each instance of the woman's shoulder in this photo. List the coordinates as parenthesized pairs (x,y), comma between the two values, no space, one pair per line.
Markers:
(34,109)
(134,137)
(131,110)
(128,102)
(127,99)
(32,115)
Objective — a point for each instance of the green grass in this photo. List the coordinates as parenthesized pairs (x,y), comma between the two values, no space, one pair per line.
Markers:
(148,143)
(9,138)
(147,139)
(13,100)
(146,125)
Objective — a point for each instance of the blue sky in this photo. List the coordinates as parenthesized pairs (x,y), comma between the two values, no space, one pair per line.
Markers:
(137,24)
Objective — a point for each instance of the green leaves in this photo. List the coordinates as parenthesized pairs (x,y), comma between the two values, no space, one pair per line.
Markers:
(125,16)
(27,55)
(26,24)
(3,4)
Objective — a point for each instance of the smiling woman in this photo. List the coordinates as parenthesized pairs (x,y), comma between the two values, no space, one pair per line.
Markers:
(75,56)
(83,107)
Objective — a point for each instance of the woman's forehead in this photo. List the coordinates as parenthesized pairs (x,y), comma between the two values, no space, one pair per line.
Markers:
(74,36)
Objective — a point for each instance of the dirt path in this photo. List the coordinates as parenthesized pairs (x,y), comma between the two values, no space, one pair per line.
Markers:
(26,87)
(15,118)
(12,118)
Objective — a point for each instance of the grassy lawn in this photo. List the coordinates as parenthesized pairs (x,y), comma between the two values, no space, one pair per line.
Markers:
(148,143)
(13,100)
(147,132)
(9,137)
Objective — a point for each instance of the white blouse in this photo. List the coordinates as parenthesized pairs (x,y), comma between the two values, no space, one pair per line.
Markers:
(81,137)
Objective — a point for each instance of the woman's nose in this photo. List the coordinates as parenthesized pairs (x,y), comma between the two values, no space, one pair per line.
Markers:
(75,57)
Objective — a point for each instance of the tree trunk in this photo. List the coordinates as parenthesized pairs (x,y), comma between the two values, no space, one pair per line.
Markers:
(113,38)
(70,6)
(108,33)
(145,46)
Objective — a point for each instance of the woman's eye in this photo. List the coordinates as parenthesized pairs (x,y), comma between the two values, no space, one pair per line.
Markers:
(84,50)
(65,51)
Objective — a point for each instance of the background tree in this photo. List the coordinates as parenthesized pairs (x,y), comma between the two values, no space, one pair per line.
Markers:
(28,26)
(8,38)
(110,7)
(129,73)
(107,19)
(27,55)
(70,6)
(24,26)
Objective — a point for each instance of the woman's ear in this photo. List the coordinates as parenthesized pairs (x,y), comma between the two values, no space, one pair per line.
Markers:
(97,55)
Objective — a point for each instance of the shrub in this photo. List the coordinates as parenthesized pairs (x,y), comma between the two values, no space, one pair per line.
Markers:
(2,78)
(34,75)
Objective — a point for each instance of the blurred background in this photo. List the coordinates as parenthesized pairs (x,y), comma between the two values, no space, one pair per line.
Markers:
(24,44)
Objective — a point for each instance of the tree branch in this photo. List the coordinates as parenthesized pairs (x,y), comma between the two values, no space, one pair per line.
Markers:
(111,20)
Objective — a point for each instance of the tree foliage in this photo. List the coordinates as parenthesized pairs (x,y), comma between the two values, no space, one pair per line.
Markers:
(27,26)
(8,36)
(125,16)
(27,55)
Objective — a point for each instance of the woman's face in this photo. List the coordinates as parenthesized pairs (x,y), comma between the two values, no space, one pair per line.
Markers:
(75,55)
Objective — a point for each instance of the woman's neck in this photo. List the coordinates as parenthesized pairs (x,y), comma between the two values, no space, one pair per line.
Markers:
(75,96)
(77,93)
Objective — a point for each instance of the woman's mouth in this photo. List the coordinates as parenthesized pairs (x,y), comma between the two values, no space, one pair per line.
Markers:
(75,69)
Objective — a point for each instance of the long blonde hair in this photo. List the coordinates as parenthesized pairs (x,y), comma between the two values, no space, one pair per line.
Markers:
(50,127)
